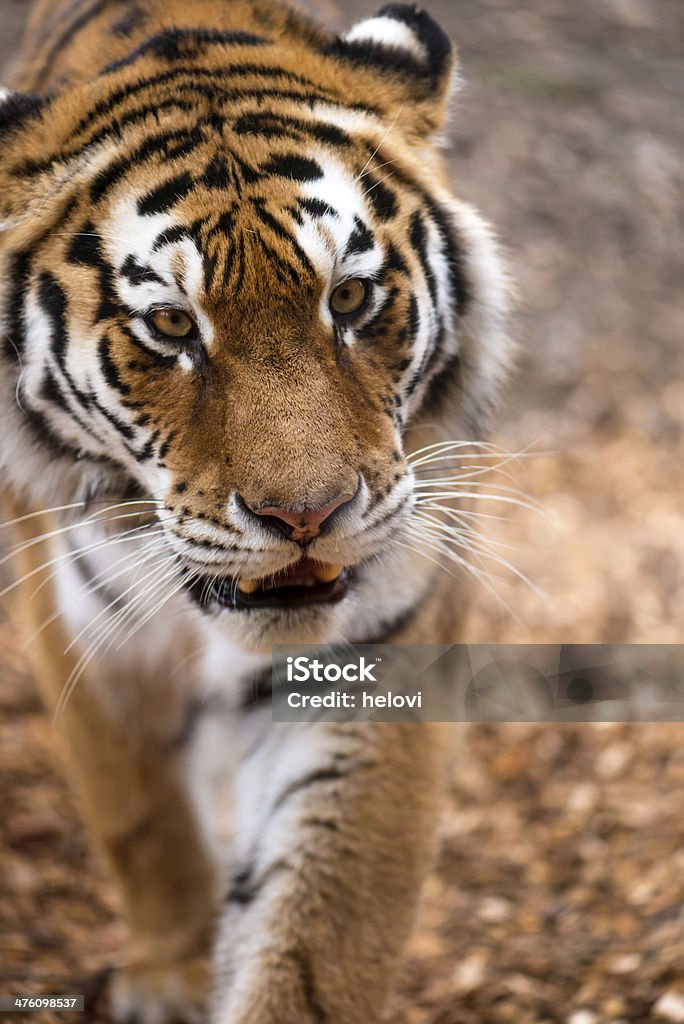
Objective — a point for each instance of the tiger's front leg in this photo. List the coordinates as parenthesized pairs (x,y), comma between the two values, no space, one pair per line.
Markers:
(118,733)
(139,814)
(336,832)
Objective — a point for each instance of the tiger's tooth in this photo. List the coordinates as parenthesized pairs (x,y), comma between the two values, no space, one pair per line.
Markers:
(326,572)
(247,586)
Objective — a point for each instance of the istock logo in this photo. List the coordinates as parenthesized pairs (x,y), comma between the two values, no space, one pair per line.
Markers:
(303,669)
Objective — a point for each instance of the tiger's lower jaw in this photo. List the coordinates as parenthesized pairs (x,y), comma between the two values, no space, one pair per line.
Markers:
(304,584)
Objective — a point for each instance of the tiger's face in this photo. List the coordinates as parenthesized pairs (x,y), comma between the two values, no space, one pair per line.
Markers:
(241,301)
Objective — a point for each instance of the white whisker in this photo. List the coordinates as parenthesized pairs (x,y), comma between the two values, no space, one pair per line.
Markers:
(88,655)
(44,537)
(375,151)
(82,552)
(442,531)
(118,538)
(98,582)
(119,597)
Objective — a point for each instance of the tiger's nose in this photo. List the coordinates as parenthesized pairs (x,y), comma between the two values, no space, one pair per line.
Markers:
(301,525)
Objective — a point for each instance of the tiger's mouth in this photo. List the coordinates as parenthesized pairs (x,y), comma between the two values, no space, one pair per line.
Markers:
(305,582)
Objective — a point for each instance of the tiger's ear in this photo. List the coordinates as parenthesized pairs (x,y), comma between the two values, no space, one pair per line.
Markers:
(407,46)
(16,108)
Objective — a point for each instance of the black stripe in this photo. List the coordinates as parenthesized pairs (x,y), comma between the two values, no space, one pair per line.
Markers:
(154,358)
(109,369)
(290,165)
(86,250)
(152,145)
(105,107)
(223,225)
(147,451)
(460,288)
(216,173)
(166,444)
(53,301)
(137,273)
(170,236)
(418,237)
(244,889)
(360,240)
(314,778)
(213,93)
(15,338)
(459,285)
(280,265)
(51,393)
(274,125)
(394,260)
(123,428)
(383,200)
(328,824)
(166,45)
(48,440)
(17,108)
(164,197)
(89,574)
(197,710)
(266,218)
(366,53)
(302,958)
(261,685)
(317,208)
(209,262)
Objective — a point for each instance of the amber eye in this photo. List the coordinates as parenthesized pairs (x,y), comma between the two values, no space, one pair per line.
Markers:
(349,297)
(172,323)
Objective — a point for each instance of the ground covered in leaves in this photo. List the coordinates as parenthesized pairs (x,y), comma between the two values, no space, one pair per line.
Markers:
(559,892)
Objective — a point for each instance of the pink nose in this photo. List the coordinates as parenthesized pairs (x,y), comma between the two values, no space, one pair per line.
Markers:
(305,524)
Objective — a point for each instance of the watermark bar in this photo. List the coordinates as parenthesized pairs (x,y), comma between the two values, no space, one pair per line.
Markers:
(62,1003)
(478,683)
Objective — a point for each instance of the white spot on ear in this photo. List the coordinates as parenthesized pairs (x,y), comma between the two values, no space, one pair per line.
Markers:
(384,31)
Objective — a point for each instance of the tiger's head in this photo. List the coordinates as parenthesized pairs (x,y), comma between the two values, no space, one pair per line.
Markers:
(235,282)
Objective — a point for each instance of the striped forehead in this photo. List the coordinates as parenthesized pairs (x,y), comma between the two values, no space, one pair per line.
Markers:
(327,215)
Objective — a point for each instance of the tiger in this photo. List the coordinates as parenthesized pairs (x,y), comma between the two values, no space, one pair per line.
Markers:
(237,292)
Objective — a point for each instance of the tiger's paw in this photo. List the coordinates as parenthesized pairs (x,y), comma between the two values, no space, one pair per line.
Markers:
(174,994)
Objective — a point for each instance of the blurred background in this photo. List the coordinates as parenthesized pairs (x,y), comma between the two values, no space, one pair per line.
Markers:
(559,892)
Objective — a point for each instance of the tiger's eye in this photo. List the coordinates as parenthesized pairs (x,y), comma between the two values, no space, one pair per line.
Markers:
(349,297)
(172,323)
